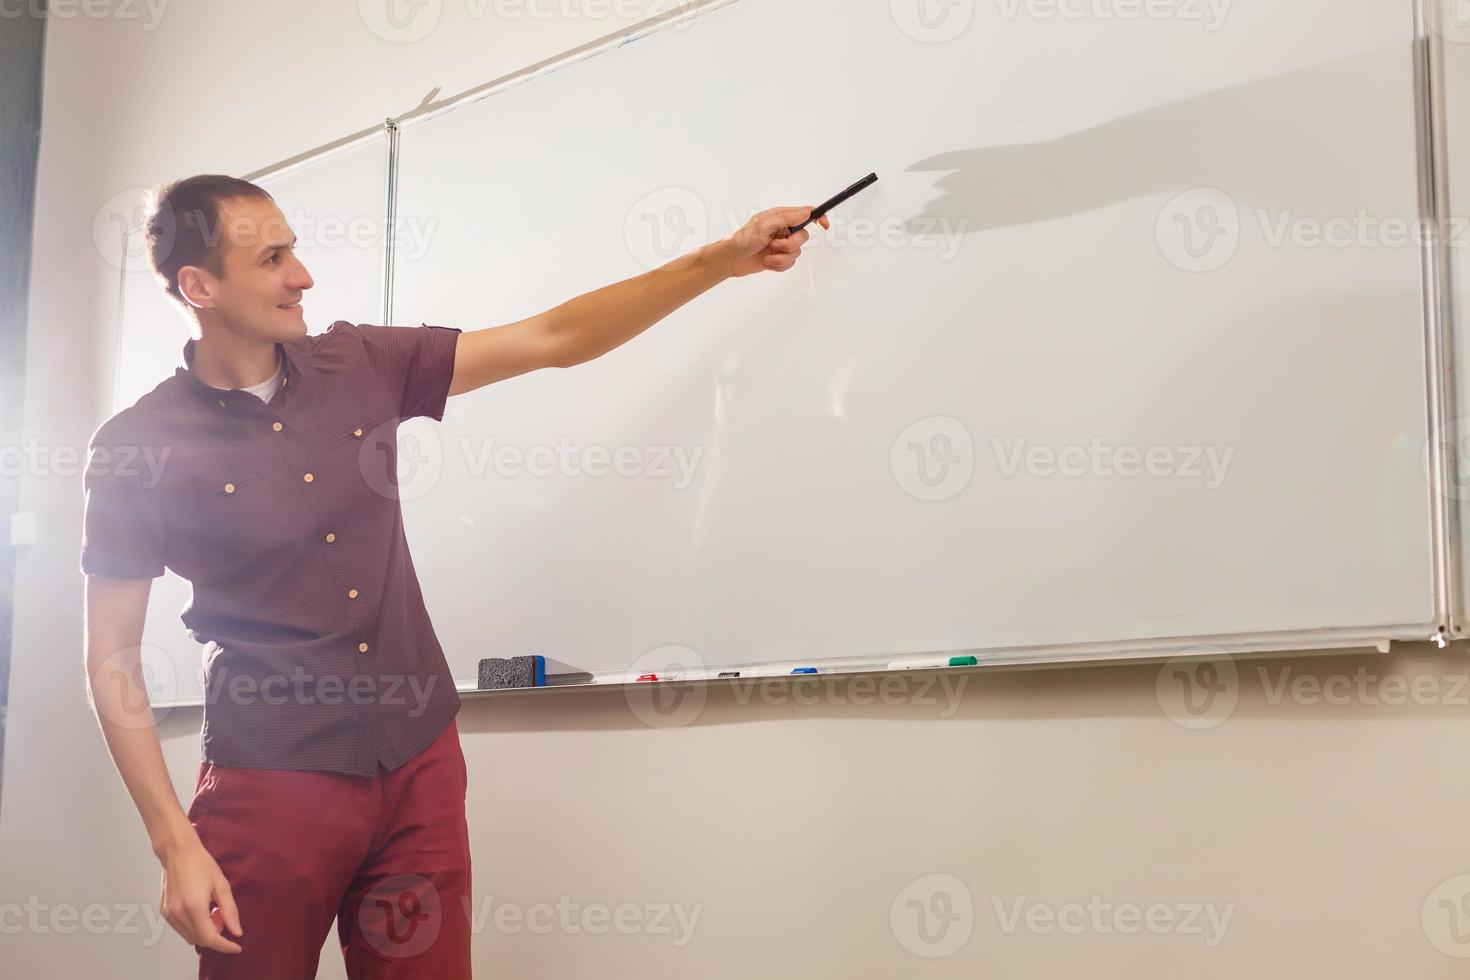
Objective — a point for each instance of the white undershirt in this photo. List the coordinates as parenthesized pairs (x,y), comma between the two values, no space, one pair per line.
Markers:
(267,389)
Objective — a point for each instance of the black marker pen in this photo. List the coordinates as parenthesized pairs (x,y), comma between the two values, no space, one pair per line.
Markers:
(832,202)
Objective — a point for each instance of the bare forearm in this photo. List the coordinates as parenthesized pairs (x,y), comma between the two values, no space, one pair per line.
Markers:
(126,719)
(594,323)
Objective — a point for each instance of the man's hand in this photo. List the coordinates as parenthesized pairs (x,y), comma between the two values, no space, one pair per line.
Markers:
(763,242)
(191,881)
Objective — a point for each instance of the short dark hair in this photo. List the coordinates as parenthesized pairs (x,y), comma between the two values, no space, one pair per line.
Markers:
(182,224)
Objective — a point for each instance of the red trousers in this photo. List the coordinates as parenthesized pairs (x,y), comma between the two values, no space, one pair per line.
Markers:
(387,856)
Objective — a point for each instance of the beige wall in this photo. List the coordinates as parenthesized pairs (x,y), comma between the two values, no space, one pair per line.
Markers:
(791,830)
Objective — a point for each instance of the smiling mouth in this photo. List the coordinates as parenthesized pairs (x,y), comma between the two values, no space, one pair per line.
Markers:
(290,306)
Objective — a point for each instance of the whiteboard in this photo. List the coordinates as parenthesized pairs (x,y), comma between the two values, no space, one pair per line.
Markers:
(336,204)
(1120,348)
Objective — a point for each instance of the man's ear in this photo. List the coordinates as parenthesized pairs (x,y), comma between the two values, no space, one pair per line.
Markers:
(197,287)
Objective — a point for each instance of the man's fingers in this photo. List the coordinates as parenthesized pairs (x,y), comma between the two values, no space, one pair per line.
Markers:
(225,899)
(201,929)
(208,934)
(792,217)
(788,245)
(775,227)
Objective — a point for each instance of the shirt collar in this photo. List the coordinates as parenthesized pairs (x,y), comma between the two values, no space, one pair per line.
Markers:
(185,372)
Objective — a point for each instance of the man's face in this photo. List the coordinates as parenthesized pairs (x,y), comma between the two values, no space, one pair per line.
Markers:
(259,294)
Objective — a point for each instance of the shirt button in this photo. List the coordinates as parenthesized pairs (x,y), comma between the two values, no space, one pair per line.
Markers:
(229,488)
(352,594)
(308,478)
(357,433)
(277,426)
(362,648)
(331,537)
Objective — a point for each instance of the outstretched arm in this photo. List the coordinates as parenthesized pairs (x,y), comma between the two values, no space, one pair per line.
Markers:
(594,323)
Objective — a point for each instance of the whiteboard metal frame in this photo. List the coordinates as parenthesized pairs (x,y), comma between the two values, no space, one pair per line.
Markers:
(390,211)
(1438,324)
(1439,340)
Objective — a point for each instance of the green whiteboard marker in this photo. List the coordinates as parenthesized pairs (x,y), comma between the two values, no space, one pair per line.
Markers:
(958,661)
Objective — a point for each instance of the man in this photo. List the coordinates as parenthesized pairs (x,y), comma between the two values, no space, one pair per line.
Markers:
(331,783)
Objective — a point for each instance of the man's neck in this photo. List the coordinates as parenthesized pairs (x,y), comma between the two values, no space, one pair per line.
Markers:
(226,361)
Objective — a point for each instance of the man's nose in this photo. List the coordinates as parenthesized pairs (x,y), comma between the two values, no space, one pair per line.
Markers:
(302,279)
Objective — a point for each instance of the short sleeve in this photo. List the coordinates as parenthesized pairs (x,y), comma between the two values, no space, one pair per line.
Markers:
(122,535)
(420,360)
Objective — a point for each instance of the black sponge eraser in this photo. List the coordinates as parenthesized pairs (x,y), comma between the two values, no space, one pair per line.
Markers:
(502,672)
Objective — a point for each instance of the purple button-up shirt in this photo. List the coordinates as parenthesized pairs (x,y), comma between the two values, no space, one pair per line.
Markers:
(285,518)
